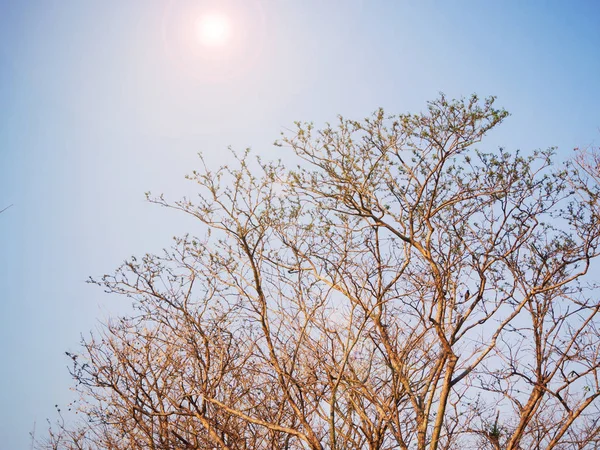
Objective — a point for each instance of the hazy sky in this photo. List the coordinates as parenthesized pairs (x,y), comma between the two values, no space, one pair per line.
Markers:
(101,101)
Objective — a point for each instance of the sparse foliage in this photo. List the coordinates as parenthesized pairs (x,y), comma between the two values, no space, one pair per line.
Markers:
(399,289)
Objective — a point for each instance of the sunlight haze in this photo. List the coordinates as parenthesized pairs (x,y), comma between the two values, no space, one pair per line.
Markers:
(214,29)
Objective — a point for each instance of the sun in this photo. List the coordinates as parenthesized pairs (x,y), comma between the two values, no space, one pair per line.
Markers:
(214,29)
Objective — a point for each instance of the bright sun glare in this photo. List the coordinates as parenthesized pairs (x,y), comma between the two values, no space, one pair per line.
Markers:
(214,29)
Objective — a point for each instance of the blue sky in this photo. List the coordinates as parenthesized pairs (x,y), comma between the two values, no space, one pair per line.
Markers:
(102,101)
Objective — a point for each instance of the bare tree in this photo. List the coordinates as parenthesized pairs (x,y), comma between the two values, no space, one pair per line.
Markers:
(399,289)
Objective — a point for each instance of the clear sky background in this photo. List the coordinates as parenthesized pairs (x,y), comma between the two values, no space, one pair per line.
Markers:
(101,101)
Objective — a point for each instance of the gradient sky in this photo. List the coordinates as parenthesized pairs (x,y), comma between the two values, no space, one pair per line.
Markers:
(101,101)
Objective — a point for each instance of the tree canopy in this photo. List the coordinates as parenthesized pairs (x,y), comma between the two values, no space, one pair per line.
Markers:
(398,289)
